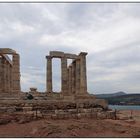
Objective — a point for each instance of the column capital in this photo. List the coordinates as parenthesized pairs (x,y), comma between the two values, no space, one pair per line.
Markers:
(83,53)
(49,57)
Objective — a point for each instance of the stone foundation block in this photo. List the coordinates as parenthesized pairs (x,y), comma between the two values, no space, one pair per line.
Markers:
(27,108)
(97,109)
(80,105)
(78,116)
(72,111)
(83,115)
(88,115)
(101,115)
(48,116)
(54,116)
(11,110)
(94,115)
(73,116)
(60,116)
(110,114)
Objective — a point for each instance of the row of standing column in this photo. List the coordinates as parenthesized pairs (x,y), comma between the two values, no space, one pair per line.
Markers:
(5,75)
(77,76)
(9,75)
(73,78)
(64,80)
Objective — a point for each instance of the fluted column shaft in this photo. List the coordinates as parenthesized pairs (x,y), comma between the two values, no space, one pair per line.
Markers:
(83,76)
(77,76)
(70,79)
(49,74)
(11,78)
(16,74)
(73,77)
(1,74)
(4,75)
(7,77)
(64,75)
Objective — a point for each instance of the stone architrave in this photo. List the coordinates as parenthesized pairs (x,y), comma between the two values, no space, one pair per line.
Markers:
(49,74)
(83,76)
(64,75)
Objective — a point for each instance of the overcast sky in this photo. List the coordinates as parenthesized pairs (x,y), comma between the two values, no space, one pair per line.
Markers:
(110,33)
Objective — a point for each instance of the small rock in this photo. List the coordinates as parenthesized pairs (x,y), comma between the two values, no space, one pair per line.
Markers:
(130,121)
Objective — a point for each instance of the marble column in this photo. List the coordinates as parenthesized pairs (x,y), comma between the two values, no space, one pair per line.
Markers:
(4,75)
(70,79)
(16,74)
(8,78)
(77,76)
(64,75)
(49,74)
(73,77)
(0,74)
(83,76)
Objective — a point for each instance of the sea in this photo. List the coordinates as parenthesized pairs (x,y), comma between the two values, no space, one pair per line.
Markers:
(125,107)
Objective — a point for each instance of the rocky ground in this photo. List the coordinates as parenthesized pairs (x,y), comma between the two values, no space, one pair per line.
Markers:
(128,125)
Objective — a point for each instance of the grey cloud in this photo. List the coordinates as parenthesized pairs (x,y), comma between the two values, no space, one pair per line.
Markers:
(99,28)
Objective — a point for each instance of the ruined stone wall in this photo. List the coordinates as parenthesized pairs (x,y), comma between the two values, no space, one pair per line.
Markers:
(55,109)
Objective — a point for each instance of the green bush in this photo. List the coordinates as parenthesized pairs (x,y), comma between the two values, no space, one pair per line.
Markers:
(30,97)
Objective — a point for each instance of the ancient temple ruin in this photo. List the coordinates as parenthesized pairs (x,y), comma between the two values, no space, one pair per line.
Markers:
(73,77)
(73,101)
(9,71)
